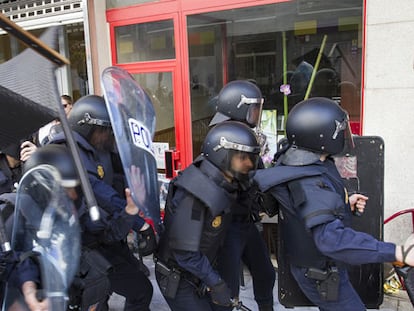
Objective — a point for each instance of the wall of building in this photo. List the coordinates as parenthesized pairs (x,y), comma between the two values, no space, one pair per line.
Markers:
(389,102)
(100,46)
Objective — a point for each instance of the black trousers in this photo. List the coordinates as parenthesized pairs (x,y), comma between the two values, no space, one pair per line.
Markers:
(187,298)
(126,277)
(244,243)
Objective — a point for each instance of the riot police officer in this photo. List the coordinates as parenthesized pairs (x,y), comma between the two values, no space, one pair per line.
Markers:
(94,269)
(90,122)
(242,101)
(25,274)
(197,214)
(315,210)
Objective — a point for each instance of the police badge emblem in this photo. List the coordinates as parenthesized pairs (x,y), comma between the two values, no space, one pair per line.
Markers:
(216,222)
(100,171)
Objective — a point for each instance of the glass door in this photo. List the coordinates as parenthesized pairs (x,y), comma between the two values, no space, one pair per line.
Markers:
(148,50)
(159,87)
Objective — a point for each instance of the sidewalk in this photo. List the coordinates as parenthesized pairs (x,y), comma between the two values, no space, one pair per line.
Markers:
(395,302)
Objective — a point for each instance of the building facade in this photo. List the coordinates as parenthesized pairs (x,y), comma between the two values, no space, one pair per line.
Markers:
(357,52)
(366,64)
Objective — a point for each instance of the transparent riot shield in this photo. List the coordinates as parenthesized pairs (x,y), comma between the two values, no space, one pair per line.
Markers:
(46,229)
(133,121)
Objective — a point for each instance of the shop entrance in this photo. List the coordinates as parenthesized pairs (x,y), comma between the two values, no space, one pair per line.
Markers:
(183,52)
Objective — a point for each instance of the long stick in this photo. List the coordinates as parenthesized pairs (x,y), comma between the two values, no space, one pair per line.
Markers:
(315,68)
(285,99)
(73,147)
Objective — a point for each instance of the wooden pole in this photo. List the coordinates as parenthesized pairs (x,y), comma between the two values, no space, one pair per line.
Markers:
(315,68)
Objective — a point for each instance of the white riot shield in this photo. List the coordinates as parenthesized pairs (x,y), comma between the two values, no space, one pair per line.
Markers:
(133,121)
(45,224)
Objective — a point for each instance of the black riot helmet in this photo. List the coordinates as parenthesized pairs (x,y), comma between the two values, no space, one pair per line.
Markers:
(239,100)
(60,158)
(88,113)
(320,125)
(227,139)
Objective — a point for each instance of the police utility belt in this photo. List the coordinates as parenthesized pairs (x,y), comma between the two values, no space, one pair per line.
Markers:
(327,282)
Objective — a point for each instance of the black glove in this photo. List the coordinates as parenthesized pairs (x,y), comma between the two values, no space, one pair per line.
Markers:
(267,203)
(7,261)
(220,294)
(146,241)
(3,269)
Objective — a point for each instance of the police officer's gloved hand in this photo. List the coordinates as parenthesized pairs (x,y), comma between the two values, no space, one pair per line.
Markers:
(267,203)
(146,241)
(7,259)
(220,294)
(3,268)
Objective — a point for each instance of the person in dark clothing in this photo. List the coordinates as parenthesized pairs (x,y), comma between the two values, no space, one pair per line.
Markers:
(242,101)
(10,174)
(91,126)
(107,231)
(10,168)
(24,276)
(316,211)
(33,201)
(197,215)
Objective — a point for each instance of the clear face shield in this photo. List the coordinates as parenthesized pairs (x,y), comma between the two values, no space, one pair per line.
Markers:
(241,159)
(254,111)
(344,127)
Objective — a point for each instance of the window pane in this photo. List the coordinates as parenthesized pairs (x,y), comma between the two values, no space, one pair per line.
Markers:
(72,42)
(145,42)
(249,43)
(158,86)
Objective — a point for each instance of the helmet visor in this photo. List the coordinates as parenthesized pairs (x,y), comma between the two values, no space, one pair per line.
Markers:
(241,163)
(348,138)
(226,144)
(254,111)
(87,119)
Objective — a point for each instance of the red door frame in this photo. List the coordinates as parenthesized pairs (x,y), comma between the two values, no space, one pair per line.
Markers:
(182,112)
(177,10)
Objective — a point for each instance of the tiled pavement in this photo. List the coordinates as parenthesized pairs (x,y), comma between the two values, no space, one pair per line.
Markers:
(397,302)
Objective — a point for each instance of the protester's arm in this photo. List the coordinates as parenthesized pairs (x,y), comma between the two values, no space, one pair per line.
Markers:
(27,148)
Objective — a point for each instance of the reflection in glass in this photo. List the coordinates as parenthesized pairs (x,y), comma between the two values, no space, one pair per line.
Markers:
(145,42)
(73,39)
(277,46)
(159,88)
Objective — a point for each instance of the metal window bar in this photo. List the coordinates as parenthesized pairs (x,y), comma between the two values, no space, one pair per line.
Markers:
(24,10)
